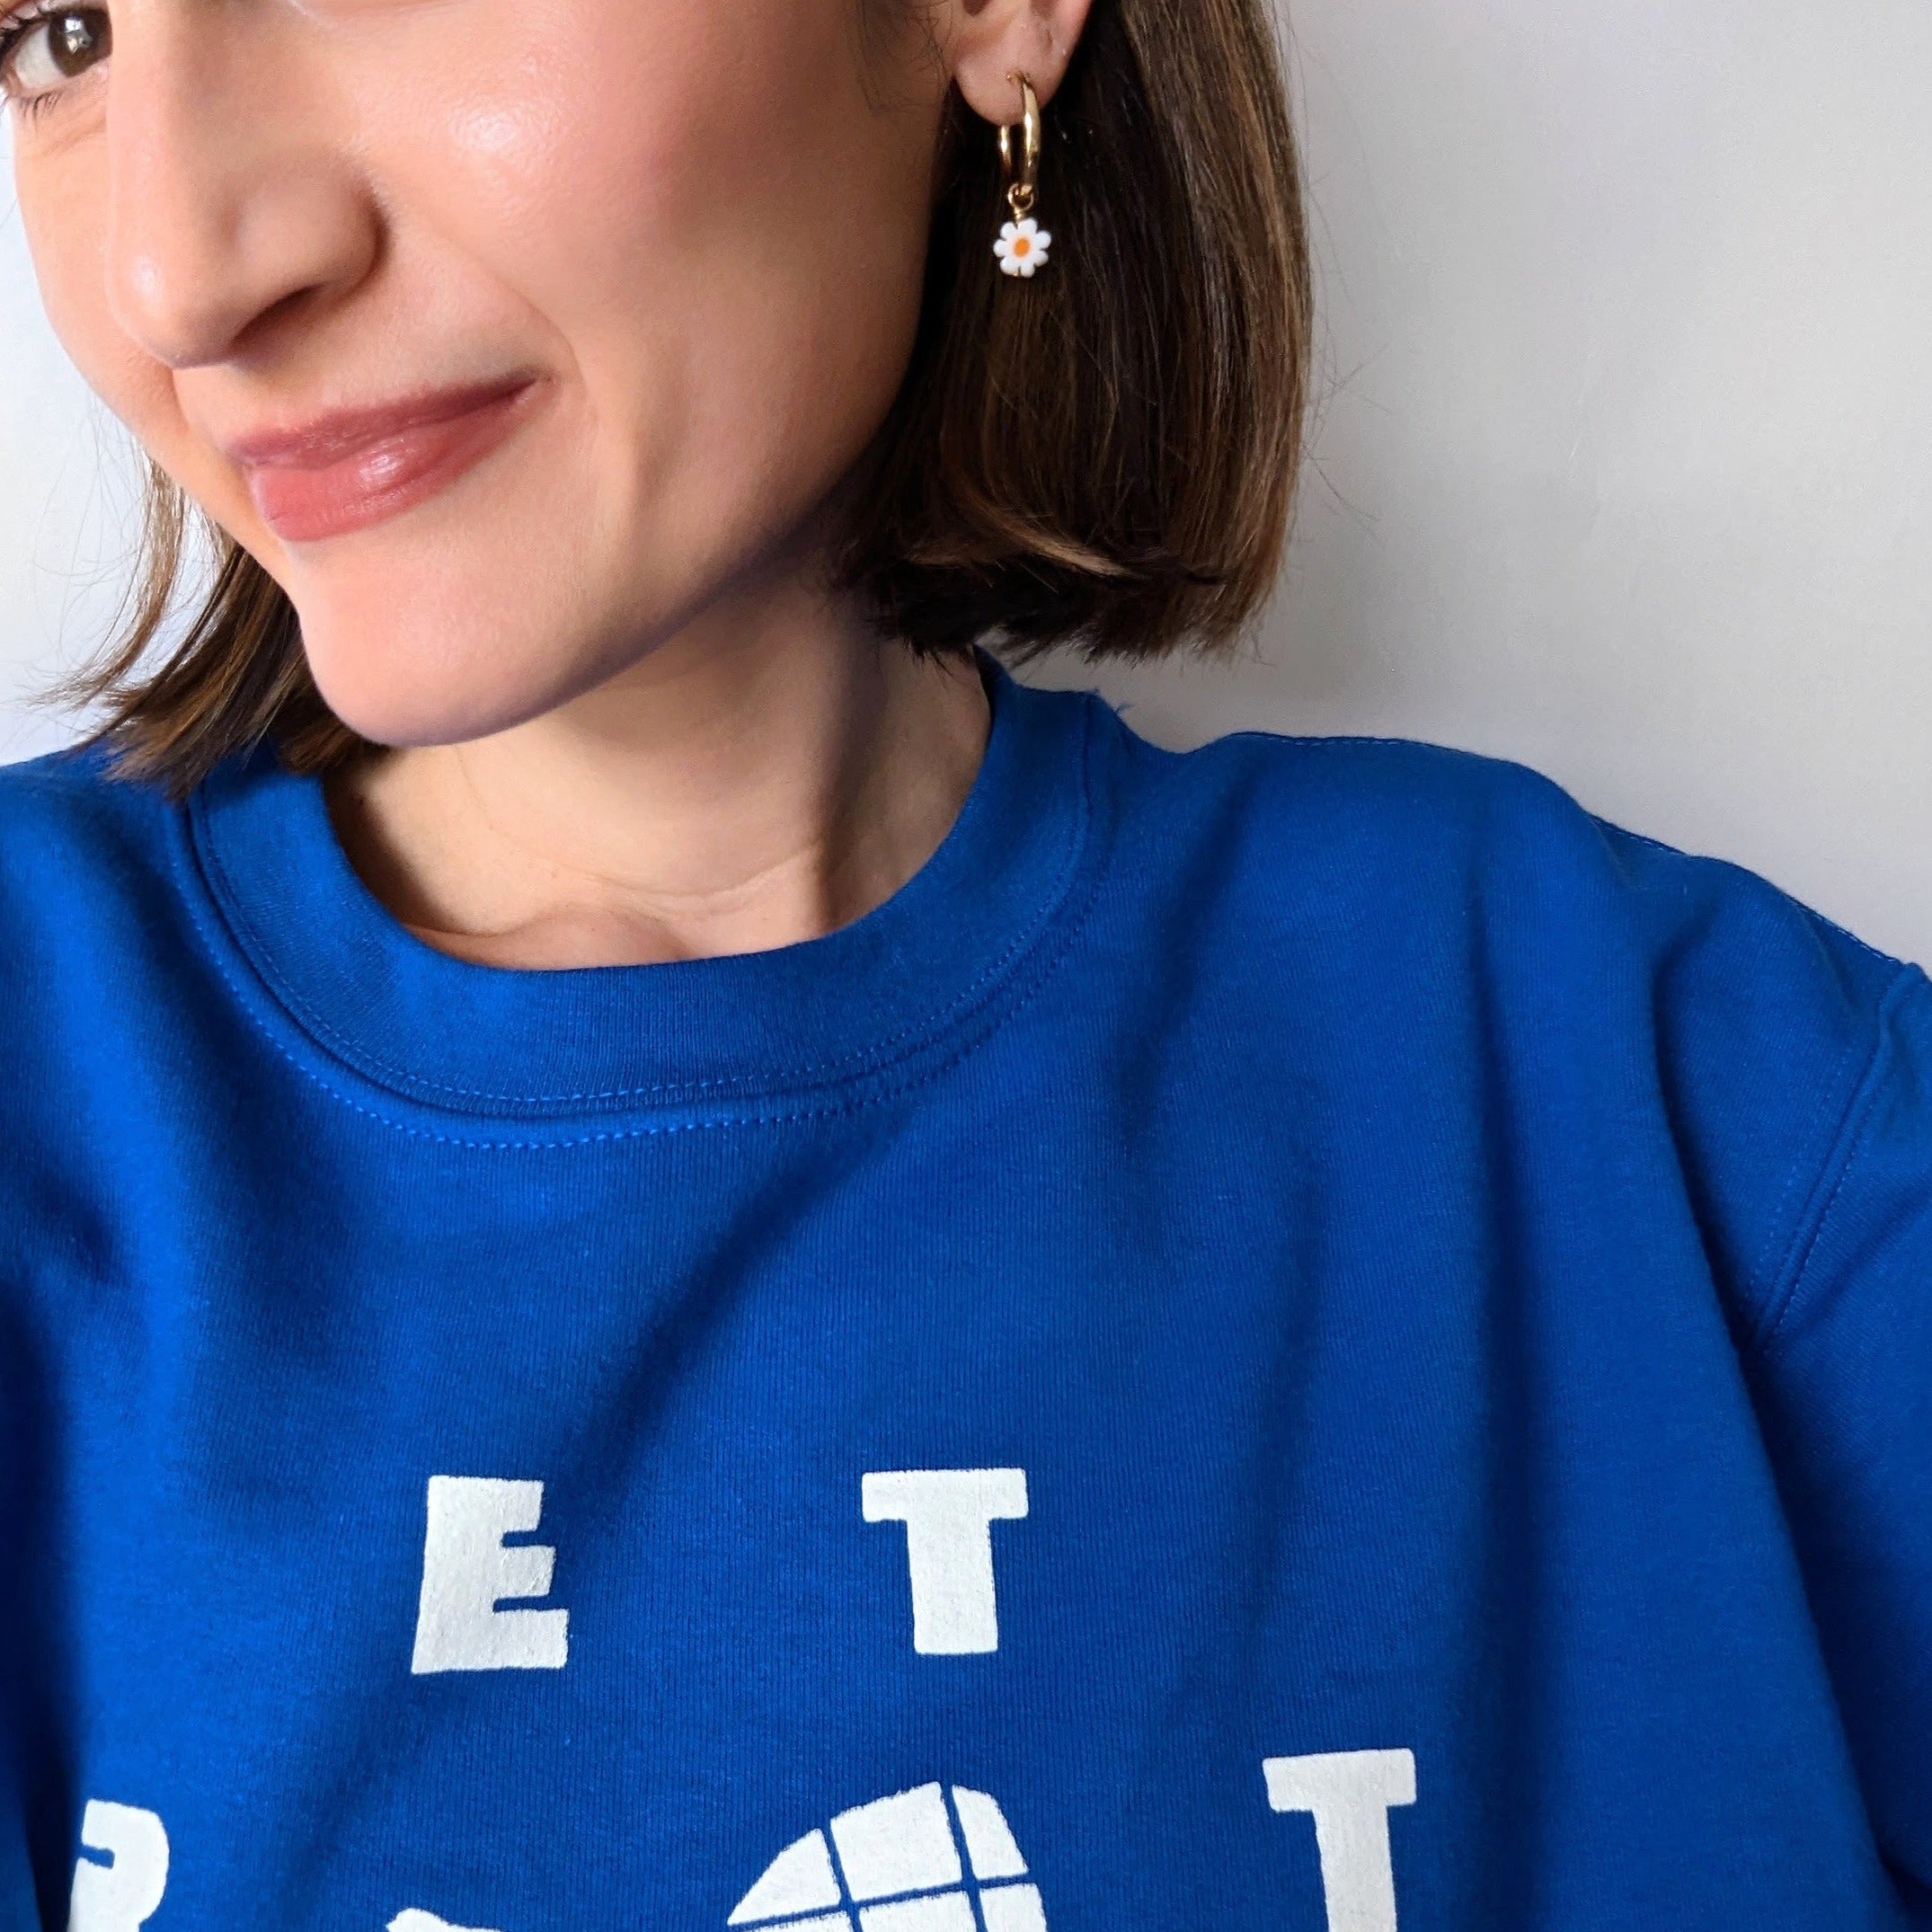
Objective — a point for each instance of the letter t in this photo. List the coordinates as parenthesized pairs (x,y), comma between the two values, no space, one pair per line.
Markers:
(1350,1793)
(948,1514)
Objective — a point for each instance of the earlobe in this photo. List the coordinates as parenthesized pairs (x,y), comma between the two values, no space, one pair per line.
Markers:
(993,41)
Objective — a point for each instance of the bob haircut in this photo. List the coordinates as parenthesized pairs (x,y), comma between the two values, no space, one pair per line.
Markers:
(1109,463)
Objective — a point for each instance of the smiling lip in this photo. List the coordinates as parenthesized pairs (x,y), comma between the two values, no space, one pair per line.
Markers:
(356,467)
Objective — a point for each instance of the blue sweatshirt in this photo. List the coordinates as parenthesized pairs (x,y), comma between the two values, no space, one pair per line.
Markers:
(1297,1337)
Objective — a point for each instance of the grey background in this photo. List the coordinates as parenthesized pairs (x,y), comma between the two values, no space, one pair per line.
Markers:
(1624,463)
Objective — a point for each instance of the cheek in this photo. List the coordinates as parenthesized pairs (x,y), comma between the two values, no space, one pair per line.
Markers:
(697,197)
(63,204)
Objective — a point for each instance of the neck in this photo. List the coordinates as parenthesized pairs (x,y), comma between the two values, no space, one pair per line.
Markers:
(746,785)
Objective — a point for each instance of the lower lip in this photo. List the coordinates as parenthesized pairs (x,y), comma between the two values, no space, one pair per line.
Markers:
(384,479)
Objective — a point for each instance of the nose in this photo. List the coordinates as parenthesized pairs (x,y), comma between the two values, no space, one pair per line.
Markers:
(230,197)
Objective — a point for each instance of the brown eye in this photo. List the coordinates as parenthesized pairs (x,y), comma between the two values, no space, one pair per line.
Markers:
(58,47)
(76,39)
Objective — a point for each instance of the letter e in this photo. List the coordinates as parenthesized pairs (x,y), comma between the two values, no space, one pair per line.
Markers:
(467,1569)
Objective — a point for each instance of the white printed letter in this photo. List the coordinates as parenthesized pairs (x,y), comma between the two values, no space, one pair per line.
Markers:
(467,1570)
(1350,1791)
(948,1514)
(117,1897)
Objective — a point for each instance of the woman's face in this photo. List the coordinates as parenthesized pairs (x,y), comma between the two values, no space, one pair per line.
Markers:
(655,265)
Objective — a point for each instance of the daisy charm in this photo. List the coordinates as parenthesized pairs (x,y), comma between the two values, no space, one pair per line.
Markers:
(1021,246)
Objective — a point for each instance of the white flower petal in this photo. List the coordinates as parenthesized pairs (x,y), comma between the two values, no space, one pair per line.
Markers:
(1021,246)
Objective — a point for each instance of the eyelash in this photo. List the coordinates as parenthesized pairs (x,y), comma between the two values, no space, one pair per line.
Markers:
(15,30)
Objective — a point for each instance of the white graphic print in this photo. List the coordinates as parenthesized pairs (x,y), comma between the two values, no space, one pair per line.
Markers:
(903,1863)
(413,1920)
(1350,1793)
(120,1897)
(948,1514)
(467,1569)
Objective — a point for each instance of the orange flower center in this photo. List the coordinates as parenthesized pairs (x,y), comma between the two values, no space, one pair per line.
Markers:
(1021,244)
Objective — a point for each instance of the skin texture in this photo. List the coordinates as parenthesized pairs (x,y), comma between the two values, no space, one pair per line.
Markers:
(630,724)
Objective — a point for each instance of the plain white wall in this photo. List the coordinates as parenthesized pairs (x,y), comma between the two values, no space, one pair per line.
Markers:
(1625,459)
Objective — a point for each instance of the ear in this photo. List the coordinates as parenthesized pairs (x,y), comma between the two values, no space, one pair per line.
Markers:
(987,41)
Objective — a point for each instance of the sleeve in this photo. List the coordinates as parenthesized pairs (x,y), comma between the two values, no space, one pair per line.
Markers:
(1840,1367)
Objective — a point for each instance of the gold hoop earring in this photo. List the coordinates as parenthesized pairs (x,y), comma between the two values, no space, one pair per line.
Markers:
(1023,243)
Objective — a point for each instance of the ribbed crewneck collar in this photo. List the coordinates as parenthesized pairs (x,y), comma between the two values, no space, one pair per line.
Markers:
(360,999)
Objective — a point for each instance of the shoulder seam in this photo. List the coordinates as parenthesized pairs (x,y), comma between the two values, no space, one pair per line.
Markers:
(1846,1143)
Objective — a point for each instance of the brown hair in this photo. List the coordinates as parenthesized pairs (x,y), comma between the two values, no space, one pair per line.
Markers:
(1105,456)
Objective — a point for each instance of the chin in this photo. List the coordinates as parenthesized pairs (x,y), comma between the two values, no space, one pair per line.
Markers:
(403,683)
(443,647)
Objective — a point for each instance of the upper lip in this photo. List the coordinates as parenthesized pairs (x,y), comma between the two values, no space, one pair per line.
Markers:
(340,433)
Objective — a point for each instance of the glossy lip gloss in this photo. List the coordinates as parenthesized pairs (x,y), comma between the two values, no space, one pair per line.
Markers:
(359,467)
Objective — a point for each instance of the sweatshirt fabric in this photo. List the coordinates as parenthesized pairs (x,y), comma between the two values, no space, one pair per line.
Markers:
(1299,1336)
